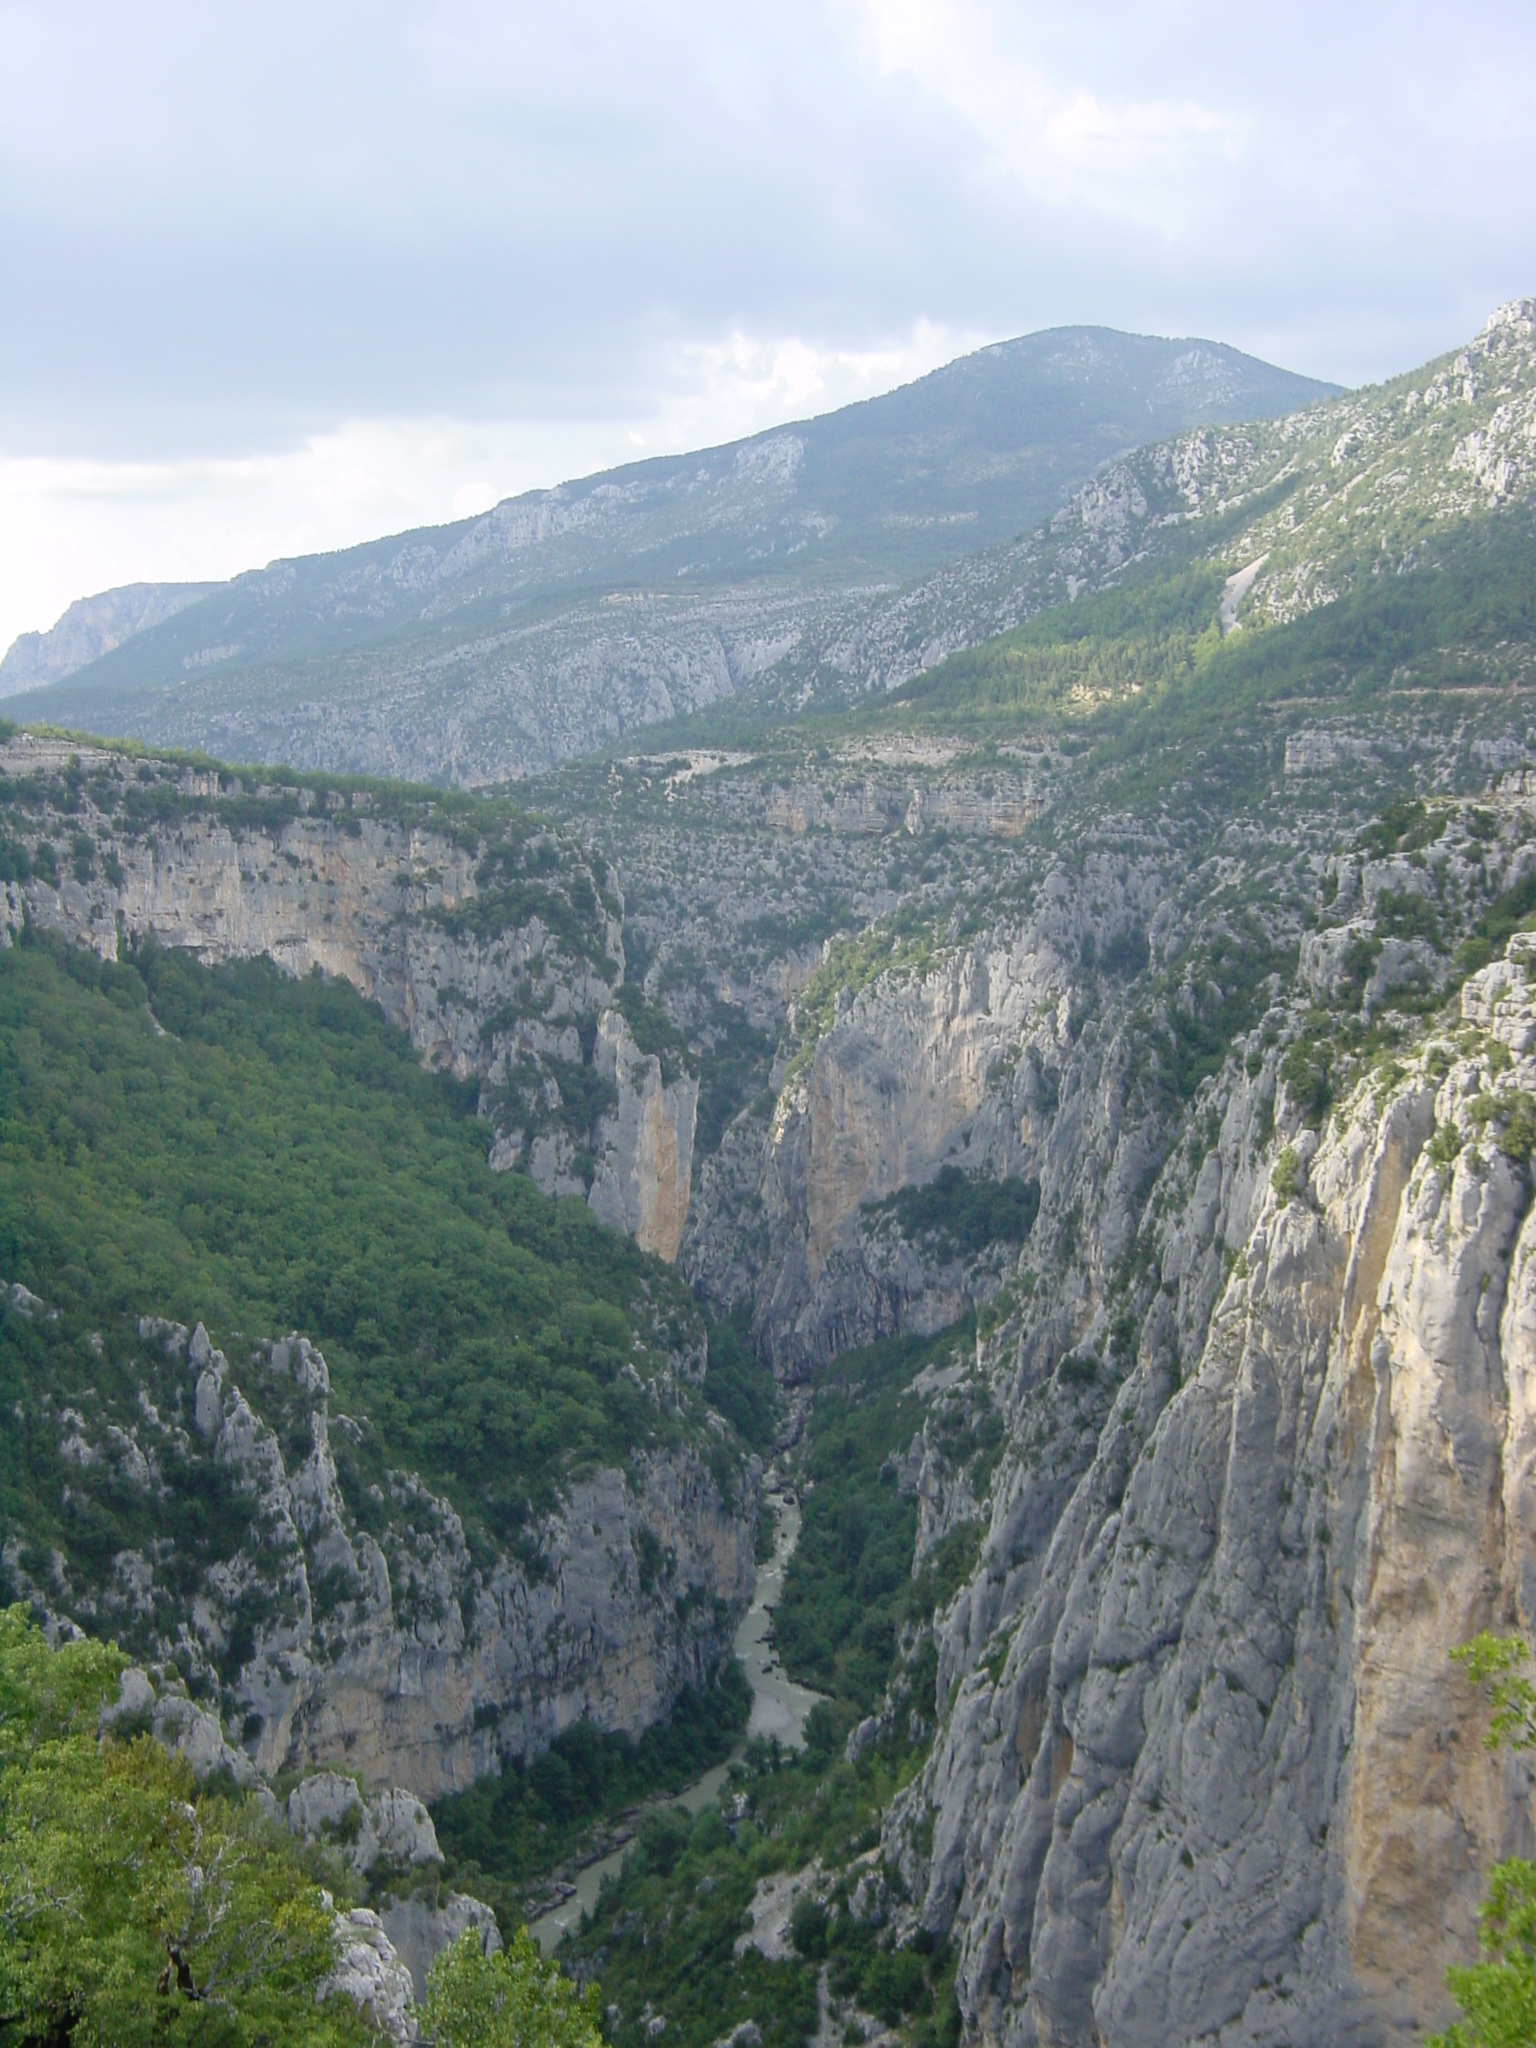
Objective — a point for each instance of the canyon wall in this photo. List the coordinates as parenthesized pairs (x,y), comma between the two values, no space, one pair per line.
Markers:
(488,983)
(393,1650)
(1208,1773)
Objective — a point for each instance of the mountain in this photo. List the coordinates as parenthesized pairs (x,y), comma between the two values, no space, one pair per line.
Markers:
(1298,509)
(563,618)
(1081,1104)
(92,627)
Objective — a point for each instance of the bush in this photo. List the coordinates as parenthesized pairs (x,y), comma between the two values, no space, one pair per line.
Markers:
(138,1909)
(1444,1145)
(1289,1178)
(512,1999)
(808,1927)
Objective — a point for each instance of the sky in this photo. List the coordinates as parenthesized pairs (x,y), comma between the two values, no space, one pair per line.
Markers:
(282,278)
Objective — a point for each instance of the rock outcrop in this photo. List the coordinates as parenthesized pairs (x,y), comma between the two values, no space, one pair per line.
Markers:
(1208,1774)
(371,1974)
(420,1929)
(384,1951)
(645,1148)
(389,1652)
(500,958)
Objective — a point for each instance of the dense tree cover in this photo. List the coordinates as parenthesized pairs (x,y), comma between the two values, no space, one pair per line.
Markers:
(850,1585)
(968,1212)
(739,1385)
(664,1934)
(1145,664)
(135,1908)
(512,1999)
(1159,630)
(264,1154)
(509,1829)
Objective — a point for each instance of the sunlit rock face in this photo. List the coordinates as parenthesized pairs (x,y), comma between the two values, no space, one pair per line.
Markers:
(1209,1773)
(644,1170)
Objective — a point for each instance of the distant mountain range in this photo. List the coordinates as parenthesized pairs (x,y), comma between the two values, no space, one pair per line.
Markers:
(495,646)
(92,627)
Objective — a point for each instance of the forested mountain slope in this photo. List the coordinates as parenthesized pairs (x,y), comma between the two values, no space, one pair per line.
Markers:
(467,1557)
(563,618)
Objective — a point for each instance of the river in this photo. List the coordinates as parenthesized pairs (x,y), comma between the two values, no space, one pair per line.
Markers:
(779,1707)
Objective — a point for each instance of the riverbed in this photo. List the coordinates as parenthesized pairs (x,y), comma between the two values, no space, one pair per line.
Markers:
(779,1707)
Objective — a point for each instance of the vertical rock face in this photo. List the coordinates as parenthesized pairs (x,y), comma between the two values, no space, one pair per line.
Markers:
(507,984)
(644,1170)
(887,1096)
(981,1062)
(1209,1774)
(390,1651)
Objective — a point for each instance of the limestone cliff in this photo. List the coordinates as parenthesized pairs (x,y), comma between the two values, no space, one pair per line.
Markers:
(1208,1773)
(1203,1770)
(981,1062)
(497,949)
(645,1147)
(391,1650)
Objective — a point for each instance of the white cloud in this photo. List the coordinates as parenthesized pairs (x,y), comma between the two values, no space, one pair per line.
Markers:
(1148,161)
(259,266)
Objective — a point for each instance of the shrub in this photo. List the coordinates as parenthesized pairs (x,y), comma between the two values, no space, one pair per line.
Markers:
(1289,1178)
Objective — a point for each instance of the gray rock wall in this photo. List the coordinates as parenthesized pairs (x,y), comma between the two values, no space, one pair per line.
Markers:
(1209,1774)
(396,1657)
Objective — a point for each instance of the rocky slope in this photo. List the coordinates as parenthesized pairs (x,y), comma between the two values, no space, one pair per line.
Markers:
(383,1845)
(354,1625)
(494,944)
(563,619)
(1300,510)
(1207,1773)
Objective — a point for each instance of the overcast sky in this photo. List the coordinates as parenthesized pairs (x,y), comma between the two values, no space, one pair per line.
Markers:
(278,278)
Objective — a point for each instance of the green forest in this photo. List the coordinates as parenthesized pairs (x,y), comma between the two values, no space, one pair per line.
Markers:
(262,1154)
(136,1907)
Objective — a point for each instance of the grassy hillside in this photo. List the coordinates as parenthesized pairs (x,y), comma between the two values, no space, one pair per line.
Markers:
(1144,658)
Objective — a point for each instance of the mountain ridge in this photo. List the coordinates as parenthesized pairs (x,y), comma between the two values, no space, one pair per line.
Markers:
(562,615)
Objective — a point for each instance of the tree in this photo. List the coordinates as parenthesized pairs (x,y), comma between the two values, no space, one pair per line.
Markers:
(513,1999)
(1498,1994)
(135,1908)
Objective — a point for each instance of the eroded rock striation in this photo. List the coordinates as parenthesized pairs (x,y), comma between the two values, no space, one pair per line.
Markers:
(1208,1774)
(388,1651)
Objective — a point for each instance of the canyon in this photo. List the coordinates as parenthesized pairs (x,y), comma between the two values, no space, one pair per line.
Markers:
(1144,1011)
